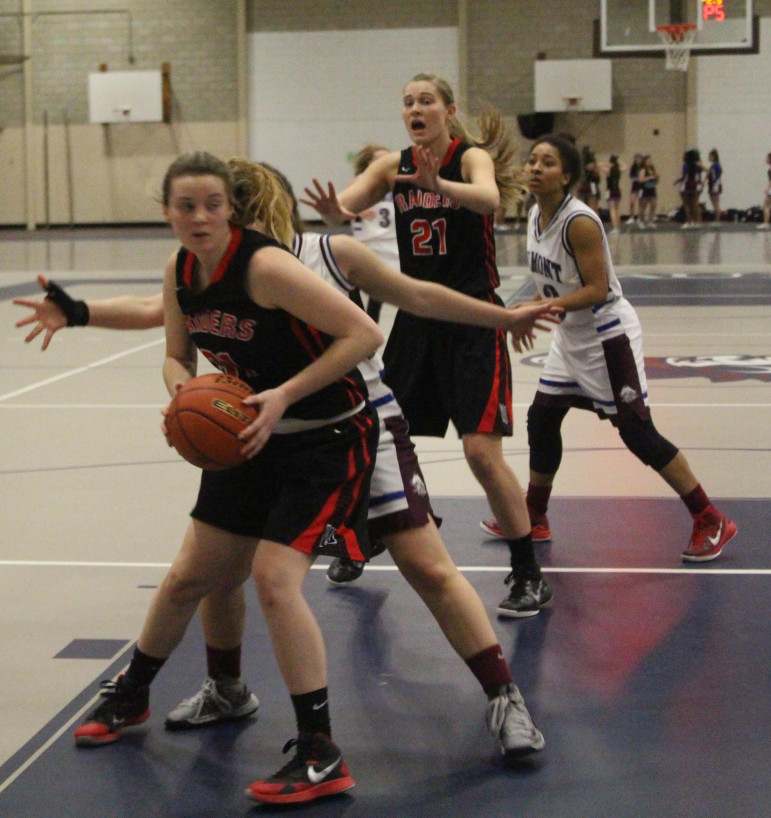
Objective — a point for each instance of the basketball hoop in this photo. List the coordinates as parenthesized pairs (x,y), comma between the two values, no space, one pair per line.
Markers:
(678,39)
(573,103)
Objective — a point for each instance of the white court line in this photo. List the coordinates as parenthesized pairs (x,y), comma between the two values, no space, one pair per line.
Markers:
(470,568)
(80,369)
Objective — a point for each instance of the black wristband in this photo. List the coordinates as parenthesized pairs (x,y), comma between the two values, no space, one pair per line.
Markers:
(76,312)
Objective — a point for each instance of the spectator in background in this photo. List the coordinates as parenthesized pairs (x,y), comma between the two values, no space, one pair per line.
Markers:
(634,193)
(764,225)
(648,177)
(613,170)
(690,185)
(589,187)
(715,183)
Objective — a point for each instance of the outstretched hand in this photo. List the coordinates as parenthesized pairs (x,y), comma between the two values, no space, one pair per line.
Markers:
(326,203)
(46,315)
(529,317)
(426,175)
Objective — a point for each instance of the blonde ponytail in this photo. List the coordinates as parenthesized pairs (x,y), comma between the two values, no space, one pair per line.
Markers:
(260,196)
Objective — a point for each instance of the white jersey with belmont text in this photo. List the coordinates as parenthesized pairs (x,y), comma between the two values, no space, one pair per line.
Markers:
(577,363)
(314,251)
(553,266)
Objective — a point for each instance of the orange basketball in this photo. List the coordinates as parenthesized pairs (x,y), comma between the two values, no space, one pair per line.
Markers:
(205,418)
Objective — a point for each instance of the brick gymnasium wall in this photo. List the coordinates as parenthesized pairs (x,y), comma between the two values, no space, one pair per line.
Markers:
(116,168)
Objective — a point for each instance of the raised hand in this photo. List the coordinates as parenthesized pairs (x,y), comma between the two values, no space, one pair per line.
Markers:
(426,175)
(326,203)
(46,315)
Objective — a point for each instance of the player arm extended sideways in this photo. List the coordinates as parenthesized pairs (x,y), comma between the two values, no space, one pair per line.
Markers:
(127,312)
(58,310)
(365,269)
(363,191)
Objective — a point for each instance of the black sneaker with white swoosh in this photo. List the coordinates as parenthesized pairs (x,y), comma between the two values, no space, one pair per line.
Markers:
(317,770)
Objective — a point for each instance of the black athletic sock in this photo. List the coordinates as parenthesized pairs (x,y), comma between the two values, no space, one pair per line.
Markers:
(223,662)
(312,712)
(142,670)
(523,562)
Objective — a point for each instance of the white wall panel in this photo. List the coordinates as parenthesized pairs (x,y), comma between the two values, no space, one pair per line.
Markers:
(734,116)
(316,97)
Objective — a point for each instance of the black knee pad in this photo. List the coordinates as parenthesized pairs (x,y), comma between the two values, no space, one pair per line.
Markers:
(544,437)
(645,442)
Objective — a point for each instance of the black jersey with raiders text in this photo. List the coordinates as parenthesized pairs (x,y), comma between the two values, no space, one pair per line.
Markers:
(438,240)
(263,347)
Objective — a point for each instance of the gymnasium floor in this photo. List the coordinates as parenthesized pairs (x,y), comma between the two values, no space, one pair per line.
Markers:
(648,677)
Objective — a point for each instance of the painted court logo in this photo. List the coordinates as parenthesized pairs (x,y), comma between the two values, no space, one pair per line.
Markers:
(717,368)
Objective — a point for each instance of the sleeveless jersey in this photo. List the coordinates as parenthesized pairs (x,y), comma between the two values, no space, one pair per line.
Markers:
(379,232)
(263,347)
(553,266)
(614,182)
(714,178)
(439,240)
(314,251)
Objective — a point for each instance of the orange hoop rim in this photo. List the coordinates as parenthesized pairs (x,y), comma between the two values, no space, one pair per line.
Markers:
(676,31)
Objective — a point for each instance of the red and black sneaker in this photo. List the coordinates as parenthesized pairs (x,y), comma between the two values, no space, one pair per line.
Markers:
(121,706)
(316,770)
(711,531)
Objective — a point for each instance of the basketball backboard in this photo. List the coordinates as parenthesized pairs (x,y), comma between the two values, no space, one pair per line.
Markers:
(573,85)
(628,27)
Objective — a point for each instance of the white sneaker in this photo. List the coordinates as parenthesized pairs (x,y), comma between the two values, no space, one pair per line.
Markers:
(510,723)
(762,226)
(215,701)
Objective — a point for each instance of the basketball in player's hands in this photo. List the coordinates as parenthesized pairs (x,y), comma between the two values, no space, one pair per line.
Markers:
(205,418)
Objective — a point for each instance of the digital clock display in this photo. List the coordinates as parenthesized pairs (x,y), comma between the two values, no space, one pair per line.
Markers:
(713,11)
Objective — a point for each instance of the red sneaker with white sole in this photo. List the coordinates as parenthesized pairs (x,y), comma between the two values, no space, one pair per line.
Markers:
(711,531)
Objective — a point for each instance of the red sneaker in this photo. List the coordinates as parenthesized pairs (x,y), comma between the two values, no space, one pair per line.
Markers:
(492,528)
(316,770)
(711,531)
(539,522)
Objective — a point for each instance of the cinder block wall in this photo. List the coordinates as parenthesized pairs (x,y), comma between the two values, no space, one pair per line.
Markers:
(116,169)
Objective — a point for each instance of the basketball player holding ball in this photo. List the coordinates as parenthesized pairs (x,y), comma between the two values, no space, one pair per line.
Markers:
(250,307)
(404,521)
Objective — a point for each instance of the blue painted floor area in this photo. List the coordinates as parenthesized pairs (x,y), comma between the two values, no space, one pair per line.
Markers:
(651,690)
